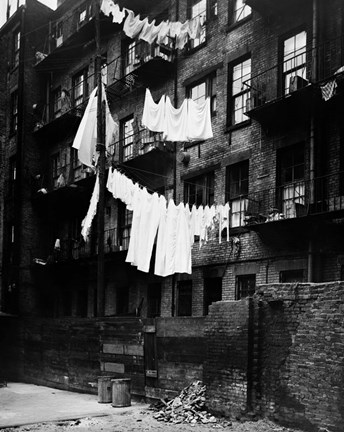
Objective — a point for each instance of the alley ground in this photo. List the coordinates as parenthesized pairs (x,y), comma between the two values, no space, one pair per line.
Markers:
(25,407)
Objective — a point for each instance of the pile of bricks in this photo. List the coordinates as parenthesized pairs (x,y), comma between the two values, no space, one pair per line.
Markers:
(188,407)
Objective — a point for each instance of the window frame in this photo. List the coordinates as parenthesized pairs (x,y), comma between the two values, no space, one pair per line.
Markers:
(194,44)
(127,138)
(236,18)
(210,82)
(16,48)
(125,220)
(245,92)
(83,74)
(209,292)
(56,103)
(184,285)
(14,112)
(207,189)
(240,279)
(240,198)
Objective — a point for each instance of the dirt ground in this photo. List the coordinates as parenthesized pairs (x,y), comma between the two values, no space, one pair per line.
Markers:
(143,421)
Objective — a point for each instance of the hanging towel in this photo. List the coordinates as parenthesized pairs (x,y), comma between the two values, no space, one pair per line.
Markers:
(175,28)
(160,253)
(164,32)
(198,222)
(183,244)
(199,120)
(224,220)
(91,212)
(117,14)
(328,89)
(86,136)
(153,116)
(176,121)
(150,32)
(106,7)
(138,204)
(133,25)
(111,128)
(195,27)
(182,38)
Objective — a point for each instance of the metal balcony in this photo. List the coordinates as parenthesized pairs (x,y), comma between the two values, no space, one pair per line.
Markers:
(285,93)
(145,151)
(142,65)
(322,198)
(75,33)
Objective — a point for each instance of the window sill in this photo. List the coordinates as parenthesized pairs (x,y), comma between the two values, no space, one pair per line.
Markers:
(238,126)
(237,24)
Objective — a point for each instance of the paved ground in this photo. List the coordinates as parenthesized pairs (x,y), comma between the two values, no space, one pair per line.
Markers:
(27,408)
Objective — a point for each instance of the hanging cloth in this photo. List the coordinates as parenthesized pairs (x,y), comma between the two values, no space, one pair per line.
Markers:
(164,32)
(176,121)
(183,243)
(175,28)
(199,120)
(111,127)
(138,204)
(160,253)
(182,38)
(153,116)
(195,27)
(106,7)
(133,25)
(224,220)
(86,137)
(91,212)
(150,32)
(117,14)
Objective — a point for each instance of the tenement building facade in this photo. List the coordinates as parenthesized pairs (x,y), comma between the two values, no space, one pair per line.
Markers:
(272,73)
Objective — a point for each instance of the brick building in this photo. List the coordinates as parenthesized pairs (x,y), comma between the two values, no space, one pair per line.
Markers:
(276,154)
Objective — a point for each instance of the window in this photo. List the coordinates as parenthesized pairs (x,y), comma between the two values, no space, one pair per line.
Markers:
(200,190)
(291,167)
(289,276)
(56,103)
(212,292)
(127,137)
(153,300)
(294,62)
(85,13)
(129,57)
(241,10)
(237,191)
(125,221)
(239,91)
(14,112)
(203,89)
(198,10)
(55,162)
(57,33)
(245,286)
(184,300)
(79,87)
(122,300)
(16,48)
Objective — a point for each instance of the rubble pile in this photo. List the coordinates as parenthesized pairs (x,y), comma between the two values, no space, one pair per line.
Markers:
(188,407)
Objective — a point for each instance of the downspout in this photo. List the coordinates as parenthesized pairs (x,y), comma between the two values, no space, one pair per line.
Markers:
(175,100)
(314,76)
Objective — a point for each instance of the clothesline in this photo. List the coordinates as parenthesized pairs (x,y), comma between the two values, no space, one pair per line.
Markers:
(134,27)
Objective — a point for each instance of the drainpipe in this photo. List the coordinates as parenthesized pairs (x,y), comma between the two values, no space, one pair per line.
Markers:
(314,76)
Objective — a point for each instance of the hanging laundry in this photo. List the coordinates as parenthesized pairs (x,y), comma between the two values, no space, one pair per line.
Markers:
(106,7)
(133,25)
(328,89)
(176,121)
(195,27)
(153,116)
(86,136)
(117,14)
(112,127)
(150,32)
(183,35)
(183,243)
(91,212)
(160,253)
(199,120)
(164,32)
(224,220)
(175,27)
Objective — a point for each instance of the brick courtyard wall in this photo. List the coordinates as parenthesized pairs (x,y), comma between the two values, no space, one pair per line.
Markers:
(225,369)
(301,354)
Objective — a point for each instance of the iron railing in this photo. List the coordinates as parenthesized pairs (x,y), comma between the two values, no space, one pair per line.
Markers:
(296,199)
(296,73)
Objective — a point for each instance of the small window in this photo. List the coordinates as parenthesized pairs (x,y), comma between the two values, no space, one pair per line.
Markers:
(14,112)
(294,62)
(289,276)
(55,165)
(198,10)
(56,103)
(245,286)
(212,292)
(127,137)
(125,221)
(80,88)
(130,56)
(16,48)
(241,10)
(184,299)
(200,190)
(291,174)
(153,300)
(122,300)
(57,33)
(203,89)
(240,75)
(237,191)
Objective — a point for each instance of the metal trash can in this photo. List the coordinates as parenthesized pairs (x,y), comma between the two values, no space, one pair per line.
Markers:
(104,389)
(121,396)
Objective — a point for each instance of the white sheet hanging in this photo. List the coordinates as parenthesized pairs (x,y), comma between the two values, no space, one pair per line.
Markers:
(91,212)
(199,120)
(133,25)
(176,121)
(153,116)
